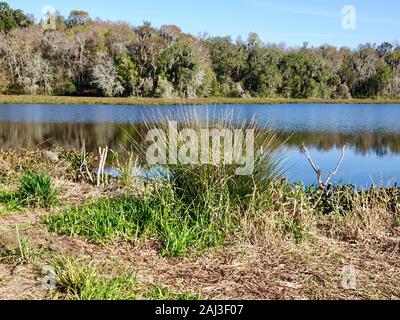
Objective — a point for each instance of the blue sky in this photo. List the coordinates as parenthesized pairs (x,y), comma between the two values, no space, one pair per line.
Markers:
(290,21)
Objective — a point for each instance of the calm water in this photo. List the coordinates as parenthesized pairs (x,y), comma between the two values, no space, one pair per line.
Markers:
(372,132)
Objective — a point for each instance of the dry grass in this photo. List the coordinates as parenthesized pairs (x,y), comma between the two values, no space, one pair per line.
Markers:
(291,251)
(27,99)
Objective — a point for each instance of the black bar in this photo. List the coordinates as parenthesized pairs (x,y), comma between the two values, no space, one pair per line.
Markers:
(165,310)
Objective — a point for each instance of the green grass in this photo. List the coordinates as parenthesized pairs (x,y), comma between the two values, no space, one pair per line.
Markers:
(157,215)
(79,280)
(28,99)
(10,201)
(36,189)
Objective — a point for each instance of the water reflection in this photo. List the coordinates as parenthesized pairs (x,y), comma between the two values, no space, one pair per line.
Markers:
(117,137)
(372,132)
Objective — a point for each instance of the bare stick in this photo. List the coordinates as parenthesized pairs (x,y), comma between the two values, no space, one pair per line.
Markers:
(314,166)
(99,169)
(333,173)
(84,167)
(103,157)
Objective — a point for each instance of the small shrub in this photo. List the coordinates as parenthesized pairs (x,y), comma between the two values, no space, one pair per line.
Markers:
(295,230)
(79,165)
(70,89)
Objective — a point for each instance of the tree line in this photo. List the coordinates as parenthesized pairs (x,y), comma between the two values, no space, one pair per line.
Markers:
(85,56)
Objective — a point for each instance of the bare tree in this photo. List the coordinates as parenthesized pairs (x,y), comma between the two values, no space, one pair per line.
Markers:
(36,76)
(105,77)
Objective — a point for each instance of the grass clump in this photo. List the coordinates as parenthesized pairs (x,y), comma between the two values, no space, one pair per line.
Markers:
(79,280)
(10,201)
(36,190)
(157,215)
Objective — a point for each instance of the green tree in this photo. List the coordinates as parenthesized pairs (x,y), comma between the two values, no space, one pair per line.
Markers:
(78,18)
(180,65)
(306,76)
(263,77)
(144,52)
(127,73)
(382,81)
(228,60)
(11,19)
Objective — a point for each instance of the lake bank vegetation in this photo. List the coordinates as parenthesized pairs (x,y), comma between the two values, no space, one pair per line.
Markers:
(91,223)
(91,57)
(137,101)
(203,234)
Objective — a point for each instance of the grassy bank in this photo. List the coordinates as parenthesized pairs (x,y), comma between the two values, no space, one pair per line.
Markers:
(200,232)
(200,237)
(26,99)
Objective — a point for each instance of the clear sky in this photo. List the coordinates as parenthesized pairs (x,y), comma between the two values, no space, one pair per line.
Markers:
(290,21)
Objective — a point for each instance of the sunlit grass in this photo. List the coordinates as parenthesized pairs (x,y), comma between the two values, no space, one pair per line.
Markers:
(35,189)
(157,215)
(79,280)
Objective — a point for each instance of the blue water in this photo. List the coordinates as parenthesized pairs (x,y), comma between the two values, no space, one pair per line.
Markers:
(292,117)
(372,132)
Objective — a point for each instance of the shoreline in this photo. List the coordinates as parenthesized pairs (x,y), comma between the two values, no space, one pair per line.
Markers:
(290,241)
(134,101)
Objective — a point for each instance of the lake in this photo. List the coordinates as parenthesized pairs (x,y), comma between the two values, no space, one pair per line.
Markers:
(371,132)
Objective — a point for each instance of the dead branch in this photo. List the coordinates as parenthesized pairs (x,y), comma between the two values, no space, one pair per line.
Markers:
(318,171)
(333,173)
(314,166)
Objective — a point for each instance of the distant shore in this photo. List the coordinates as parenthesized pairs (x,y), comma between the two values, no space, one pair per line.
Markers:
(28,99)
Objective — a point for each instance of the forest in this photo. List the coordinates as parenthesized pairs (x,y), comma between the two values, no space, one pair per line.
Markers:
(83,56)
